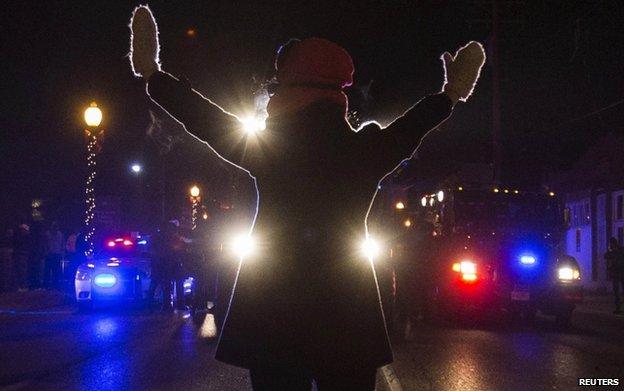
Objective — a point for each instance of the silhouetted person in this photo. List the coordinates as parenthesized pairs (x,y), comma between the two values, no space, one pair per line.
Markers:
(305,305)
(36,256)
(166,247)
(615,271)
(6,260)
(55,248)
(22,247)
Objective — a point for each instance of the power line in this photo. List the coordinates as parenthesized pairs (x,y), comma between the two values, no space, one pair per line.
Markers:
(610,106)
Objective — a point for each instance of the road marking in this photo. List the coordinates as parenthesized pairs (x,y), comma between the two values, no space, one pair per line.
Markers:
(392,381)
(208,328)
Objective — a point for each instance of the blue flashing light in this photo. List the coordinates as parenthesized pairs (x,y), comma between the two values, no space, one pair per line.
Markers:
(528,260)
(142,242)
(105,280)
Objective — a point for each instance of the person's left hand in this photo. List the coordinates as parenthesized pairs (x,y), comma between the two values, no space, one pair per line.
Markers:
(461,71)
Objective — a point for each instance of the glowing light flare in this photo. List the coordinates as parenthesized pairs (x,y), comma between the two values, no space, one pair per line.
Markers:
(127,242)
(440,196)
(423,201)
(551,193)
(469,277)
(567,273)
(466,268)
(527,260)
(243,245)
(253,124)
(194,191)
(370,248)
(111,243)
(407,223)
(136,168)
(399,205)
(105,280)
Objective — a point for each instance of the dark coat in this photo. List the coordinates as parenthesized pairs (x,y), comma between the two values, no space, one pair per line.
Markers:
(308,297)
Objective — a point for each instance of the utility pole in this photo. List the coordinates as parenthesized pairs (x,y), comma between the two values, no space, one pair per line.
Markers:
(497,147)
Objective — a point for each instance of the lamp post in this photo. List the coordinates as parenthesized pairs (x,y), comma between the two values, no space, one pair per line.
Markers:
(195,198)
(93,119)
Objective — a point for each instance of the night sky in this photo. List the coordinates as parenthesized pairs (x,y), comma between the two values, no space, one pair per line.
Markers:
(560,81)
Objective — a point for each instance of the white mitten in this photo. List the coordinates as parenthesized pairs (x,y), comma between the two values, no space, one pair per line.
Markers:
(144,46)
(461,71)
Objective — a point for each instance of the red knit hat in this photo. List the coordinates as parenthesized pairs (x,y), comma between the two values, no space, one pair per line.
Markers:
(314,61)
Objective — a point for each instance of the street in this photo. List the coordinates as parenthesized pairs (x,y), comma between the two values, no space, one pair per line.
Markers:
(59,348)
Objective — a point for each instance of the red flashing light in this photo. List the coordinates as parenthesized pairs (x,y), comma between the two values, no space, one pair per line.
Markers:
(125,242)
(469,277)
(467,268)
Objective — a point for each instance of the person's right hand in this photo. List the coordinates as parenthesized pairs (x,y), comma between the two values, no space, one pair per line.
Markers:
(144,46)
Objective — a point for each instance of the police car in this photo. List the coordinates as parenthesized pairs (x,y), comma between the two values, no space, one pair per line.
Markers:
(119,272)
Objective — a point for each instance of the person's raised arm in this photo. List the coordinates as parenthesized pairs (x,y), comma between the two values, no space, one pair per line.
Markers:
(388,146)
(200,116)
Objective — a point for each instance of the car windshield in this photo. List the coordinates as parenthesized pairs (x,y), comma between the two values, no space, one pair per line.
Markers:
(123,246)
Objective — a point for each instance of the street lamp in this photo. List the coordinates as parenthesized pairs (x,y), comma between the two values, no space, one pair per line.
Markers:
(93,115)
(195,200)
(93,119)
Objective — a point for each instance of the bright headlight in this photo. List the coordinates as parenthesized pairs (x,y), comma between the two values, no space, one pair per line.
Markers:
(370,248)
(243,245)
(567,273)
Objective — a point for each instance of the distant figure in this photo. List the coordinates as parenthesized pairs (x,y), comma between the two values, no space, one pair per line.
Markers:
(167,247)
(75,252)
(21,253)
(55,248)
(6,260)
(615,271)
(36,256)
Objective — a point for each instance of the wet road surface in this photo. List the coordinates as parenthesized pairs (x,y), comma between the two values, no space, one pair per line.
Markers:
(504,355)
(138,349)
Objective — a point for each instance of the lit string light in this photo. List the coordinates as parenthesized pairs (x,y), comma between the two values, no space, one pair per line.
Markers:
(89,193)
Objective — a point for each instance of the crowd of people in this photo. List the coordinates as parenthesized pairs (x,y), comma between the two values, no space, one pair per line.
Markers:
(37,255)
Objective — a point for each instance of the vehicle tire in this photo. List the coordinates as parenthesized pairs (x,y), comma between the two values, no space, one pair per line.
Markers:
(564,318)
(529,315)
(85,306)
